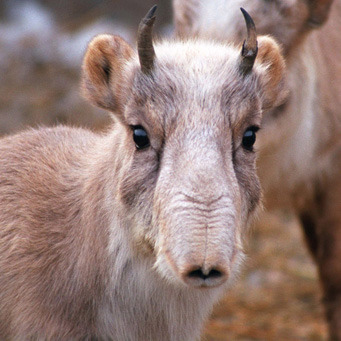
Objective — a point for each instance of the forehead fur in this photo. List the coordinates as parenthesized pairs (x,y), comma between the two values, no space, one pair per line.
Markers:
(195,53)
(199,76)
(198,61)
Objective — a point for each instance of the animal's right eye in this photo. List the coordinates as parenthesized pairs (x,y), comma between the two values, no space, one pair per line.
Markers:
(140,137)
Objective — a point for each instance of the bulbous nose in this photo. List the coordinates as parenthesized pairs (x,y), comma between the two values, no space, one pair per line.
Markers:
(210,277)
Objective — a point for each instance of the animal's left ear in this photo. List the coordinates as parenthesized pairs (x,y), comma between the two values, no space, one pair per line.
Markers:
(319,11)
(270,67)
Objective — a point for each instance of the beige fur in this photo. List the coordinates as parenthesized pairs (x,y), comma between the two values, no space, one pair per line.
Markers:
(300,143)
(97,238)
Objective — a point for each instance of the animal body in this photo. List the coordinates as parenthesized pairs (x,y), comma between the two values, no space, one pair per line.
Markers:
(300,143)
(134,234)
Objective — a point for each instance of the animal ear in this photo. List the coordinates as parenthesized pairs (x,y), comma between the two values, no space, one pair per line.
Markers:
(319,11)
(104,71)
(270,66)
(185,14)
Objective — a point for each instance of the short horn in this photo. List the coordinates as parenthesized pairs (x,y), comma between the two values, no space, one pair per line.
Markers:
(145,41)
(250,45)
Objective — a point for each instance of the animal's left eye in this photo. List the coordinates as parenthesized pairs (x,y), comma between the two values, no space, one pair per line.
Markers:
(249,138)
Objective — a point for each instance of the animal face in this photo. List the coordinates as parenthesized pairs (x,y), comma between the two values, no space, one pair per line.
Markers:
(187,116)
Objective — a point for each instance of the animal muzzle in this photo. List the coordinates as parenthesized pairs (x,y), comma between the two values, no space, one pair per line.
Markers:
(199,218)
(201,250)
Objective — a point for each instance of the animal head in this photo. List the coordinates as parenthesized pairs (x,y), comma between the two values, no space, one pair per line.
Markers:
(187,116)
(287,20)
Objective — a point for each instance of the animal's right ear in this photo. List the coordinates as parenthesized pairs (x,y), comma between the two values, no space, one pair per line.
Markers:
(104,71)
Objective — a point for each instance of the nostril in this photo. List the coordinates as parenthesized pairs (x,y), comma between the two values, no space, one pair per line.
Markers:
(198,273)
(200,277)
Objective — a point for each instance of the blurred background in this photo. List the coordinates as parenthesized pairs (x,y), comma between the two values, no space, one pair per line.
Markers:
(42,43)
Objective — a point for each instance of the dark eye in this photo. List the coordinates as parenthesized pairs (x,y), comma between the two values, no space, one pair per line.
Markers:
(249,137)
(140,137)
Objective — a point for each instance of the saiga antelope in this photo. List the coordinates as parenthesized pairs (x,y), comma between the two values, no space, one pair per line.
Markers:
(134,234)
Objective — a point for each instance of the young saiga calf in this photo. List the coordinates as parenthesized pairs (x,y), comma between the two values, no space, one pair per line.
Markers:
(135,234)
(300,145)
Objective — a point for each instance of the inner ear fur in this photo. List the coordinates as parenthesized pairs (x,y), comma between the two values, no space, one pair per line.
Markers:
(271,67)
(104,71)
